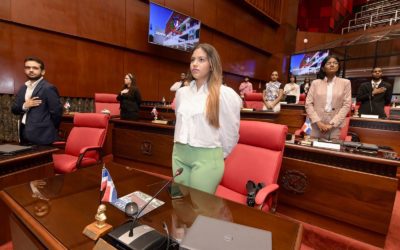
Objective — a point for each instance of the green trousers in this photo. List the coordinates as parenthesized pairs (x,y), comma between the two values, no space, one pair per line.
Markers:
(202,167)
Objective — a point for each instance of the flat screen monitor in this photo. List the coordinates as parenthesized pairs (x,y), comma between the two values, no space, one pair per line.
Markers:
(307,63)
(173,29)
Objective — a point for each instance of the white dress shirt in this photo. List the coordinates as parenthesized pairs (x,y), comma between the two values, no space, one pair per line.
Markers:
(176,86)
(30,87)
(328,106)
(192,126)
(375,84)
(296,91)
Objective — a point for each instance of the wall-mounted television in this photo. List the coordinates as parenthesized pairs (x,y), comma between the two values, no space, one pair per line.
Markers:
(173,29)
(307,63)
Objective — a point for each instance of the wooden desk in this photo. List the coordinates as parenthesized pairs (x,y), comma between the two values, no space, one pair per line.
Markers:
(291,115)
(143,141)
(325,187)
(74,205)
(377,131)
(20,168)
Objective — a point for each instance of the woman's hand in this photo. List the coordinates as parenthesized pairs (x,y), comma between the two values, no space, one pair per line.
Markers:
(270,105)
(324,127)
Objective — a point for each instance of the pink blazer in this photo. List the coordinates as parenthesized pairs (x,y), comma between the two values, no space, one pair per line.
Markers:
(341,101)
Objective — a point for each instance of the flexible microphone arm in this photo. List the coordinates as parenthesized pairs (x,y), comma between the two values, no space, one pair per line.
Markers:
(177,173)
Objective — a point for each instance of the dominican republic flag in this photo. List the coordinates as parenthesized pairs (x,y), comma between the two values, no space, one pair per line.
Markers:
(154,112)
(307,126)
(108,193)
(67,105)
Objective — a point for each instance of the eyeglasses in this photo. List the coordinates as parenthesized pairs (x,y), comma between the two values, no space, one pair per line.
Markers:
(332,63)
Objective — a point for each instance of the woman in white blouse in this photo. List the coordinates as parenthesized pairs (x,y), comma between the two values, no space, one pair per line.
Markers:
(207,122)
(292,88)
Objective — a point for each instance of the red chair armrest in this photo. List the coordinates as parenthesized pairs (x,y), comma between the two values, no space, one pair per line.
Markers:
(348,138)
(87,149)
(264,192)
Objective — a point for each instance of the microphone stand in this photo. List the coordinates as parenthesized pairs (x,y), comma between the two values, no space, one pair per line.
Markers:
(178,172)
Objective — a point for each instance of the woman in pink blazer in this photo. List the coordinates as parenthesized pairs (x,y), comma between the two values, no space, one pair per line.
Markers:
(328,101)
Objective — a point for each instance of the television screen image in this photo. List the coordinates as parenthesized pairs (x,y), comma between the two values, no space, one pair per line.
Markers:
(307,63)
(173,29)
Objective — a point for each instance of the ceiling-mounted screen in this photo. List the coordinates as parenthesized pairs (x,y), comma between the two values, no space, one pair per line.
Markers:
(307,63)
(173,29)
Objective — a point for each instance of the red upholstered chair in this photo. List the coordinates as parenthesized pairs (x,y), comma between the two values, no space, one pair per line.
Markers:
(257,157)
(106,101)
(84,143)
(302,99)
(253,101)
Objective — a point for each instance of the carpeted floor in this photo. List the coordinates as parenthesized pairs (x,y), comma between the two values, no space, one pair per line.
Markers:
(320,239)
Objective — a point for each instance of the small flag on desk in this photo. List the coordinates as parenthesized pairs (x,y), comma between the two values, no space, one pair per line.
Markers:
(307,126)
(154,113)
(108,193)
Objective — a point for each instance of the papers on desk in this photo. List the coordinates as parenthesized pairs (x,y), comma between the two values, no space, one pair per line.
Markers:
(141,199)
(326,145)
(370,116)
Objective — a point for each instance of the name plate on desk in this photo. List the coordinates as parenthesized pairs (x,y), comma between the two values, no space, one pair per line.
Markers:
(247,109)
(160,122)
(370,116)
(326,145)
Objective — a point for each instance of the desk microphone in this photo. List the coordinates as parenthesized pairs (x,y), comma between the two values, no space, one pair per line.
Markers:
(134,220)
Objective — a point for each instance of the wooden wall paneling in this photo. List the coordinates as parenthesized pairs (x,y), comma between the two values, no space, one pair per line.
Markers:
(137,25)
(185,7)
(227,14)
(5,9)
(147,74)
(169,70)
(206,35)
(206,12)
(102,20)
(57,52)
(100,69)
(240,59)
(56,15)
(6,70)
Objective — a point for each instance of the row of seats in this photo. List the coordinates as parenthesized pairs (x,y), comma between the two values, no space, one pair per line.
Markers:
(257,156)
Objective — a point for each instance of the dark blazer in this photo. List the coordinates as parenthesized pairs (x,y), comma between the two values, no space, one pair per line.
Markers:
(42,122)
(130,105)
(374,104)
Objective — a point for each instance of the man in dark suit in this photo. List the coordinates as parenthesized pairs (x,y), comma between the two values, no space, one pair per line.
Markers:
(39,106)
(374,95)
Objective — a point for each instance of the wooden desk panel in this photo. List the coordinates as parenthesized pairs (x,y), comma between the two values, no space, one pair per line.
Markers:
(377,131)
(335,190)
(62,226)
(143,141)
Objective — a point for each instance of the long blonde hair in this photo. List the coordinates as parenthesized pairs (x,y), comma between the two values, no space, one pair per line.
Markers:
(214,83)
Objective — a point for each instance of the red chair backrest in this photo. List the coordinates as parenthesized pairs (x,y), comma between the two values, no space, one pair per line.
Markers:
(302,98)
(106,101)
(89,129)
(345,129)
(257,156)
(253,100)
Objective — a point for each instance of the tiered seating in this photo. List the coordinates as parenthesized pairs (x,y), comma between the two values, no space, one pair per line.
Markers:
(375,14)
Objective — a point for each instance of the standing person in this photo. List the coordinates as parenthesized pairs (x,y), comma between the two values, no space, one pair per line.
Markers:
(129,98)
(207,122)
(374,95)
(273,93)
(328,101)
(292,89)
(177,85)
(245,87)
(305,86)
(38,103)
